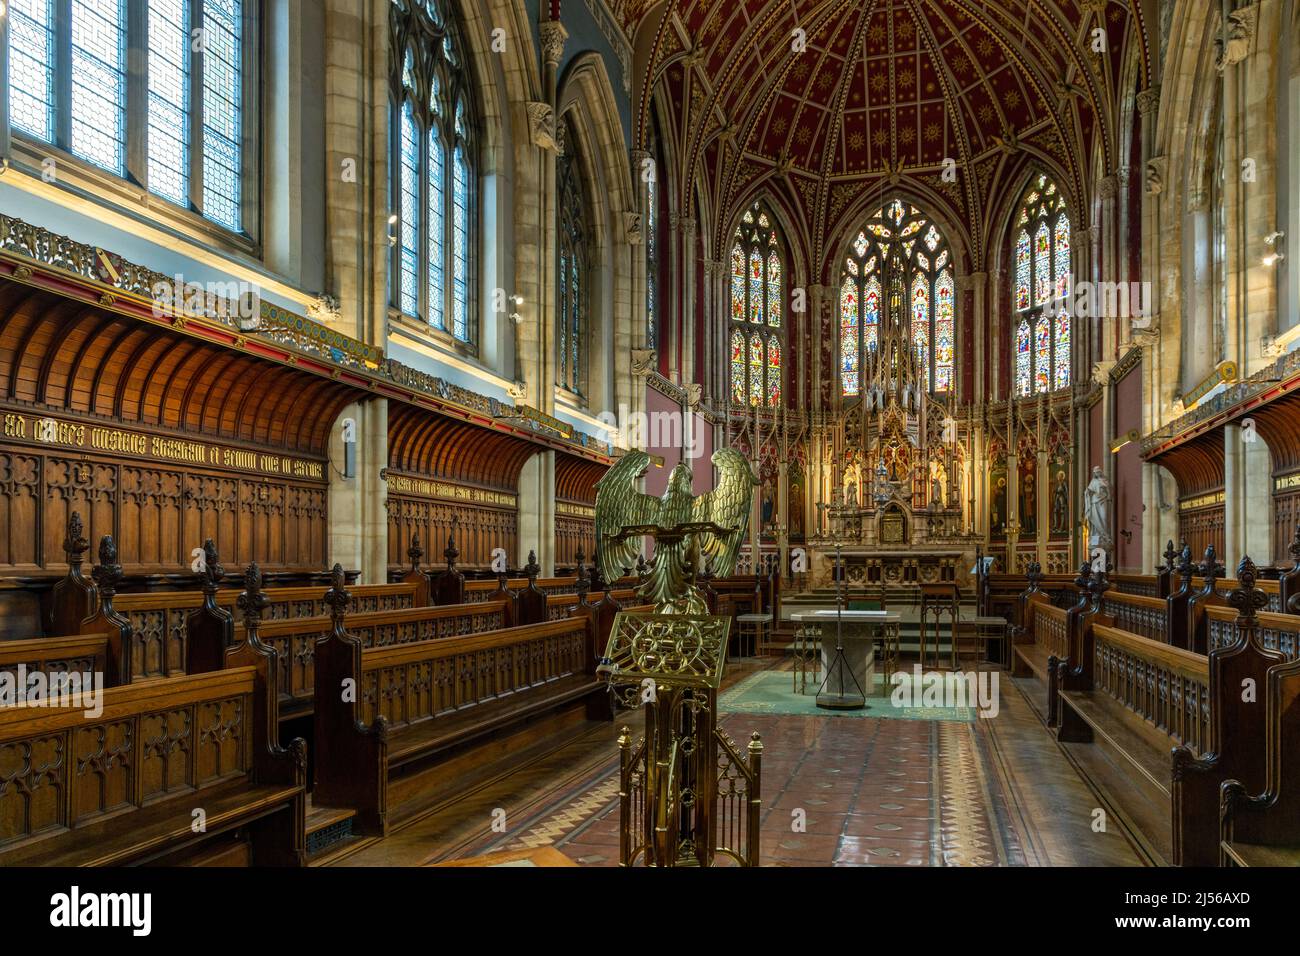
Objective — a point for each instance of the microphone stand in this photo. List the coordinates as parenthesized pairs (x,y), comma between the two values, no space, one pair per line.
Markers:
(840,700)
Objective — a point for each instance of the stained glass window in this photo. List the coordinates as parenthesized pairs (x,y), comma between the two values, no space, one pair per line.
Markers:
(944,331)
(773,371)
(921,319)
(849,343)
(738,367)
(437,200)
(31,67)
(1043,353)
(756,365)
(1042,266)
(910,256)
(1024,383)
(757,302)
(1041,289)
(573,253)
(434,195)
(222,112)
(409,216)
(1022,271)
(773,290)
(1062,347)
(871,314)
(1061,254)
(169,112)
(99,82)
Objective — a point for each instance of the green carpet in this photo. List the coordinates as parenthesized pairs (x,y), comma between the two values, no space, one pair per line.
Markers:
(771,692)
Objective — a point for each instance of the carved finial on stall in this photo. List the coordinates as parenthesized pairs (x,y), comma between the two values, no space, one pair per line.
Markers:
(252,601)
(584,580)
(1170,556)
(450,552)
(108,573)
(1211,569)
(75,544)
(415,553)
(1084,576)
(1294,548)
(211,575)
(1246,597)
(337,597)
(1186,567)
(532,568)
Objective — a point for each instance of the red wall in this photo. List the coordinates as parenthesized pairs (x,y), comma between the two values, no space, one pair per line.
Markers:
(1128,474)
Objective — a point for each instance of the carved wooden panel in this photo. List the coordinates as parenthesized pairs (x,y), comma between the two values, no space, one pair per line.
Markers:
(1202,527)
(573,533)
(157,514)
(479,529)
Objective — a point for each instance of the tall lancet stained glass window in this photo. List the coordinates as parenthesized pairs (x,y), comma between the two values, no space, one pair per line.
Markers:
(571,320)
(758,307)
(434,217)
(72,84)
(1040,294)
(898,248)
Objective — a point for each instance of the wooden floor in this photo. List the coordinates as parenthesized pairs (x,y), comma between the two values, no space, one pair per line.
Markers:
(871,791)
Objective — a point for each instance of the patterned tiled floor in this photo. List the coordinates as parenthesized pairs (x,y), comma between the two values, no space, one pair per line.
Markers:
(836,792)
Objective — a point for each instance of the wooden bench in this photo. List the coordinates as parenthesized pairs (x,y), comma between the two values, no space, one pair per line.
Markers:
(150,632)
(78,653)
(397,725)
(1262,827)
(1245,647)
(127,786)
(295,640)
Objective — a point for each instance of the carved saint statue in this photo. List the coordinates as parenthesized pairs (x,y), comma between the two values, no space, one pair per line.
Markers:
(1060,505)
(851,494)
(1096,511)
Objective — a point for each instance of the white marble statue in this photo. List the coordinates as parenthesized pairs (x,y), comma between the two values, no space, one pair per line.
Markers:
(1096,511)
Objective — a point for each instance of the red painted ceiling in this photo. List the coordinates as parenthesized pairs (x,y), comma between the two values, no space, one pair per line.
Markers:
(882,93)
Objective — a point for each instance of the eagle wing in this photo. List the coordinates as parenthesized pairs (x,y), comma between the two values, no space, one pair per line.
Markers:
(727,506)
(620,505)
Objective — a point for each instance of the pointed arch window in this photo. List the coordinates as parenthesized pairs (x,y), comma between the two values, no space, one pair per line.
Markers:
(574,287)
(758,292)
(434,221)
(901,249)
(1041,290)
(70,84)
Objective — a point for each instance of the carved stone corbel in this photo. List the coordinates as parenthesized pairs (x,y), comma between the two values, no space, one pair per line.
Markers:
(1101,372)
(1241,37)
(1148,100)
(518,391)
(643,362)
(694,392)
(541,126)
(1155,182)
(632,228)
(324,308)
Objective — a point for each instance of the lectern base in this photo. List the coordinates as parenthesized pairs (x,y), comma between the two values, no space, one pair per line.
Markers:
(841,701)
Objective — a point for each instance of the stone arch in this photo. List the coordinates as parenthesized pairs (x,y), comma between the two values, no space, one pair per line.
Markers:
(586,100)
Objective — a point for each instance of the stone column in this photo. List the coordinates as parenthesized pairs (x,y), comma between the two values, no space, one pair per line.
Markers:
(1234,495)
(537,511)
(977,283)
(1247,495)
(713,348)
(358,513)
(1044,502)
(1107,191)
(685,228)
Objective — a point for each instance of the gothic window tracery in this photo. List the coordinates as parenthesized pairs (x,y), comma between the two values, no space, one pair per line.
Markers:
(435,161)
(757,269)
(899,248)
(574,284)
(1041,290)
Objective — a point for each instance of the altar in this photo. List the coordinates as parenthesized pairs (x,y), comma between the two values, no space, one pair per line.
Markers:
(857,632)
(865,567)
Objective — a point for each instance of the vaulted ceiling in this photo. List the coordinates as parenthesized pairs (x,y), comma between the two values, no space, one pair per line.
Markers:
(828,105)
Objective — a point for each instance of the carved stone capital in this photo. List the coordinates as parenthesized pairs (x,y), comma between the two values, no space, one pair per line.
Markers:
(553,35)
(683,224)
(1148,100)
(972,281)
(643,362)
(1197,200)
(694,392)
(541,125)
(1108,186)
(714,268)
(1155,182)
